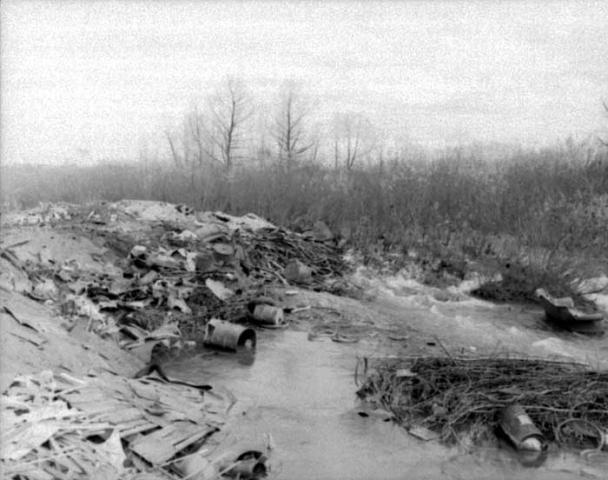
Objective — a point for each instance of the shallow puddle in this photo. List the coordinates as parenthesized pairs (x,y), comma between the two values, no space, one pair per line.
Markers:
(303,394)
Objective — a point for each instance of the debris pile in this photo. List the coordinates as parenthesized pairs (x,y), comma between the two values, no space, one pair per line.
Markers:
(459,398)
(160,263)
(150,277)
(113,427)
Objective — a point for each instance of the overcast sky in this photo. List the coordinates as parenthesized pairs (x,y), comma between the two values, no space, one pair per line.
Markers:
(101,79)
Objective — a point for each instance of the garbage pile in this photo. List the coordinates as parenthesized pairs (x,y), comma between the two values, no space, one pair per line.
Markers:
(454,399)
(160,264)
(59,426)
(148,275)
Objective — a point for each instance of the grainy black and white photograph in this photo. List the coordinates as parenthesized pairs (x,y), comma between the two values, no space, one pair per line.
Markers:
(245,240)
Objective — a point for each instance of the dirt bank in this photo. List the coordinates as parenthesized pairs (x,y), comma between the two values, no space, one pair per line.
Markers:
(34,338)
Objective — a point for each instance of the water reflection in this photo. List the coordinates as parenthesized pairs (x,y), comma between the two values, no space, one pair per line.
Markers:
(245,356)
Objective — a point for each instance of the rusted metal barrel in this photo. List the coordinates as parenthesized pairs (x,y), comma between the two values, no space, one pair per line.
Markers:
(268,315)
(230,336)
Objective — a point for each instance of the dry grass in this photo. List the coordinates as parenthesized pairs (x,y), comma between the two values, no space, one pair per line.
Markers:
(451,206)
(456,397)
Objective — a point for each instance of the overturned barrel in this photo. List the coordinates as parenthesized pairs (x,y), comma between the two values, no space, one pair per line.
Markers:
(268,315)
(229,336)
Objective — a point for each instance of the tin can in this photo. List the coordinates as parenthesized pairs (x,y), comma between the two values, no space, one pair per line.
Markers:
(268,314)
(229,336)
(520,429)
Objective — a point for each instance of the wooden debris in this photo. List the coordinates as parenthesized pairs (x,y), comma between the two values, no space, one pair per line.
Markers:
(163,444)
(50,423)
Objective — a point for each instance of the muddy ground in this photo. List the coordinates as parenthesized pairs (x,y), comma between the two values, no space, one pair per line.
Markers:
(70,282)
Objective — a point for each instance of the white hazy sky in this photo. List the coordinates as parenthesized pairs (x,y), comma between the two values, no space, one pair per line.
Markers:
(108,77)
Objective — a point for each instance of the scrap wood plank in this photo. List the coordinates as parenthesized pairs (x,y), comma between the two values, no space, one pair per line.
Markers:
(55,472)
(201,417)
(190,410)
(194,438)
(173,416)
(85,394)
(146,473)
(192,394)
(65,447)
(98,408)
(154,449)
(56,410)
(31,469)
(91,427)
(177,400)
(138,426)
(97,402)
(89,405)
(21,439)
(106,383)
(161,420)
(120,415)
(97,391)
(68,463)
(160,446)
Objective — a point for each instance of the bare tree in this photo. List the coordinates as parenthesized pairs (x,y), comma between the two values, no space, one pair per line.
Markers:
(354,138)
(216,135)
(230,108)
(290,126)
(187,143)
(176,154)
(194,135)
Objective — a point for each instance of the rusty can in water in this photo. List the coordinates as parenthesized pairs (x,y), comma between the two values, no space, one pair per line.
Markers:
(230,336)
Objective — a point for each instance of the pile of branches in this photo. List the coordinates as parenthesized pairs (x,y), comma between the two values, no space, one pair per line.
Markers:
(454,397)
(269,252)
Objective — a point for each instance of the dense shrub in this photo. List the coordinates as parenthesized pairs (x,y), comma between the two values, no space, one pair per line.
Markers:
(554,198)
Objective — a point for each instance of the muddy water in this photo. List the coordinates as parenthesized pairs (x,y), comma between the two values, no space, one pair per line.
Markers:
(466,324)
(302,393)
